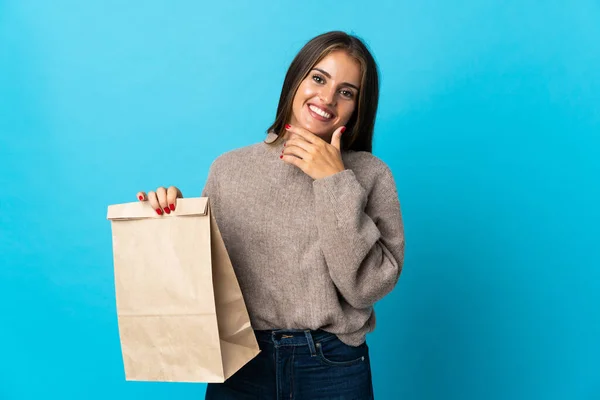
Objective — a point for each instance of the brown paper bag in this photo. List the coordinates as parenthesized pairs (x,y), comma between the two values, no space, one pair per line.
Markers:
(181,313)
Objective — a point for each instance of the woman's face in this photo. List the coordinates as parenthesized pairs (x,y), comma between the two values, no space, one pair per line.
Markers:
(326,98)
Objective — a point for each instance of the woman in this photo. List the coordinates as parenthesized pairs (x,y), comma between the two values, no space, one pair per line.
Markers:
(312,223)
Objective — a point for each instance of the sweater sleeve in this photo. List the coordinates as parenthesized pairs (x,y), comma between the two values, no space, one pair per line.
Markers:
(361,235)
(210,187)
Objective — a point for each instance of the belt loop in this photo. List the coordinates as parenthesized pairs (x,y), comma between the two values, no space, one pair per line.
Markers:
(311,343)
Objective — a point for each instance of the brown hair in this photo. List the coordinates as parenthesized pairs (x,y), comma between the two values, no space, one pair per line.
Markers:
(359,129)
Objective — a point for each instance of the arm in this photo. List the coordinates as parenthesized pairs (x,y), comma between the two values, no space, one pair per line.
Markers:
(210,188)
(361,235)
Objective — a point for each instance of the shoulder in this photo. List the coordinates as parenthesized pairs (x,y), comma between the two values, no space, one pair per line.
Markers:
(364,158)
(233,159)
(367,166)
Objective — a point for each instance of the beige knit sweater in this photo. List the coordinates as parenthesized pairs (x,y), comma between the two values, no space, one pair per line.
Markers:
(308,254)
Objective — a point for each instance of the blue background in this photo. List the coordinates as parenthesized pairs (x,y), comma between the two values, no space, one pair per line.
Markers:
(489,118)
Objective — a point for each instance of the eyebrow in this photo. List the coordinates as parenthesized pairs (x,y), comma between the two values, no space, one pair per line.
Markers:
(329,76)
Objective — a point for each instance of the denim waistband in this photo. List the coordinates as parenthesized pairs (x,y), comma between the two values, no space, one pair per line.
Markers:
(293,337)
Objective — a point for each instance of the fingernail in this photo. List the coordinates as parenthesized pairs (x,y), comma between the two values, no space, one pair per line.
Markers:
(159,211)
(141,198)
(167,210)
(284,145)
(281,156)
(287,126)
(343,129)
(172,207)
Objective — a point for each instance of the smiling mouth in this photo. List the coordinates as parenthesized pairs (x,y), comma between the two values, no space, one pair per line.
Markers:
(319,113)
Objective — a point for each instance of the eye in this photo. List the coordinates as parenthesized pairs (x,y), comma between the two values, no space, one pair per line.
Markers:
(347,93)
(318,78)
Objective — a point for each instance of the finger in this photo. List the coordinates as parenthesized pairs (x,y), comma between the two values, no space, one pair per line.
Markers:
(142,196)
(298,152)
(299,142)
(336,138)
(298,137)
(154,202)
(308,136)
(172,194)
(161,193)
(295,161)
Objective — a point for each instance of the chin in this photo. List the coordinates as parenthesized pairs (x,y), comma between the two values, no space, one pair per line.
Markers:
(317,128)
(318,131)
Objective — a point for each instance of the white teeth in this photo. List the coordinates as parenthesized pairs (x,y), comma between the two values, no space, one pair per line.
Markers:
(319,111)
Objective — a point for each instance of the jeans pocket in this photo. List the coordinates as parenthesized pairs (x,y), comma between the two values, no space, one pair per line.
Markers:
(336,353)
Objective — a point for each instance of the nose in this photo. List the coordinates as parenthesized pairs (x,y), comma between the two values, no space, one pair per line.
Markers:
(327,95)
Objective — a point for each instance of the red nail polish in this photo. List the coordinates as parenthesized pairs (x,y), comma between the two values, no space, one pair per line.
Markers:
(172,207)
(287,126)
(167,210)
(141,198)
(281,156)
(159,211)
(343,129)
(284,145)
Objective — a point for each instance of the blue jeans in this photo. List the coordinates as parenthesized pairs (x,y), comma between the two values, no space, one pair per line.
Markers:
(300,365)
